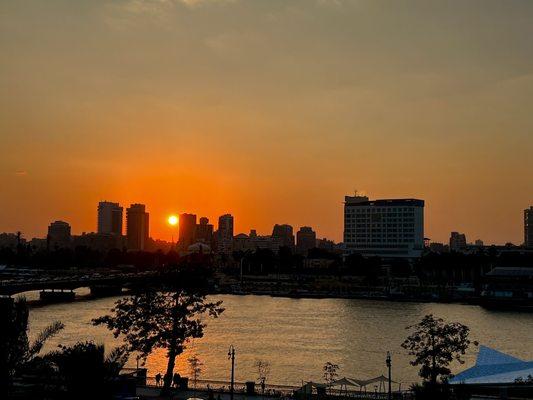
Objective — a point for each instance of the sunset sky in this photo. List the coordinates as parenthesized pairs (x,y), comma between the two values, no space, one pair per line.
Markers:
(271,110)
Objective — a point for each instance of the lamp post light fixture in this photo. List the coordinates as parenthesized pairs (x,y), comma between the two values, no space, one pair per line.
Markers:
(231,356)
(388,361)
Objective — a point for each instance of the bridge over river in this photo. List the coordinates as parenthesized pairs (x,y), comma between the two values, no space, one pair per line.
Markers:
(70,282)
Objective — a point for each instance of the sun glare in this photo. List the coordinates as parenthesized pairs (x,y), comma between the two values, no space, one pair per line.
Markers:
(172,220)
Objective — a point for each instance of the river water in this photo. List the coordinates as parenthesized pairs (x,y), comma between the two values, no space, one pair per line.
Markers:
(297,336)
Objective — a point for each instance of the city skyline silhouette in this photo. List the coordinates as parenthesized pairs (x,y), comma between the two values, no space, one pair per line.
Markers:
(271,111)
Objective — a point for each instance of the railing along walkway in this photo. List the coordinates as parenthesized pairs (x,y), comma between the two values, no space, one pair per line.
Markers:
(272,390)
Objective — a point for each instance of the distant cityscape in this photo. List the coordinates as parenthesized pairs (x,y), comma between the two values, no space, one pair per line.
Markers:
(387,228)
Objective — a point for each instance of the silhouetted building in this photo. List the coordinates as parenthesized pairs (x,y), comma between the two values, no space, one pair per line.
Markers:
(187,230)
(160,245)
(317,263)
(10,240)
(265,242)
(225,234)
(325,244)
(305,240)
(285,234)
(436,247)
(508,287)
(38,243)
(199,248)
(110,217)
(225,226)
(385,228)
(457,241)
(528,227)
(243,242)
(478,243)
(99,241)
(137,227)
(204,231)
(59,234)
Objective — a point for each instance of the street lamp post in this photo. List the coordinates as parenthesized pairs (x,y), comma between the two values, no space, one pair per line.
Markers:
(231,355)
(388,361)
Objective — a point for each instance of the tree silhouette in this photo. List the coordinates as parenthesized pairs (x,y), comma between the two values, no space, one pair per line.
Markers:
(263,371)
(167,319)
(330,373)
(435,344)
(16,351)
(195,368)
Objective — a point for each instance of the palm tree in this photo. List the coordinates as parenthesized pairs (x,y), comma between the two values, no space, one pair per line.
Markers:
(85,371)
(16,352)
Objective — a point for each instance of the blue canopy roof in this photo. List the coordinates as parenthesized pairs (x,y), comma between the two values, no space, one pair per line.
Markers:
(493,366)
(488,356)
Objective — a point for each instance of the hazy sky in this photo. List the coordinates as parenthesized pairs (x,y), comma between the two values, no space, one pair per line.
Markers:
(272,110)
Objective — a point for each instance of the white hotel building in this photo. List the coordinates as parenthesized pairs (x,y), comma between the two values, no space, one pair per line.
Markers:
(385,228)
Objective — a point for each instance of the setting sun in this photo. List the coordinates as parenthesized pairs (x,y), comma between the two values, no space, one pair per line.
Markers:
(173,220)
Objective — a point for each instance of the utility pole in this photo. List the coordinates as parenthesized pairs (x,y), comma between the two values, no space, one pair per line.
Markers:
(389,364)
(231,355)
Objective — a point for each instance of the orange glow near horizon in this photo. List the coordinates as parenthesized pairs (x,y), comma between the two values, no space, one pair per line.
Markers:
(267,111)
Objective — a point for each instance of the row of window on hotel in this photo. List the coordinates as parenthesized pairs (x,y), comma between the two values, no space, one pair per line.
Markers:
(379,210)
(377,225)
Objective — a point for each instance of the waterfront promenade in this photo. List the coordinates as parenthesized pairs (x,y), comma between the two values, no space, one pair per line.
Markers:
(151,391)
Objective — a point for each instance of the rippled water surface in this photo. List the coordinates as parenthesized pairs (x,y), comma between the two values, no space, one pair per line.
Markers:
(297,336)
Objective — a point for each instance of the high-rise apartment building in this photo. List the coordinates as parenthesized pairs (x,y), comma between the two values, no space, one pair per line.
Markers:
(528,227)
(187,229)
(284,232)
(387,228)
(204,231)
(225,234)
(59,234)
(305,240)
(110,217)
(137,227)
(457,241)
(225,226)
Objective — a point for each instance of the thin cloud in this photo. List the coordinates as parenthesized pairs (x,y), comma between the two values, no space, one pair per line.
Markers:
(330,2)
(193,3)
(129,14)
(153,6)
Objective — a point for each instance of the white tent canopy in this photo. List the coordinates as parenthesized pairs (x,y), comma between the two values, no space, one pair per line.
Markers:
(378,379)
(345,382)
